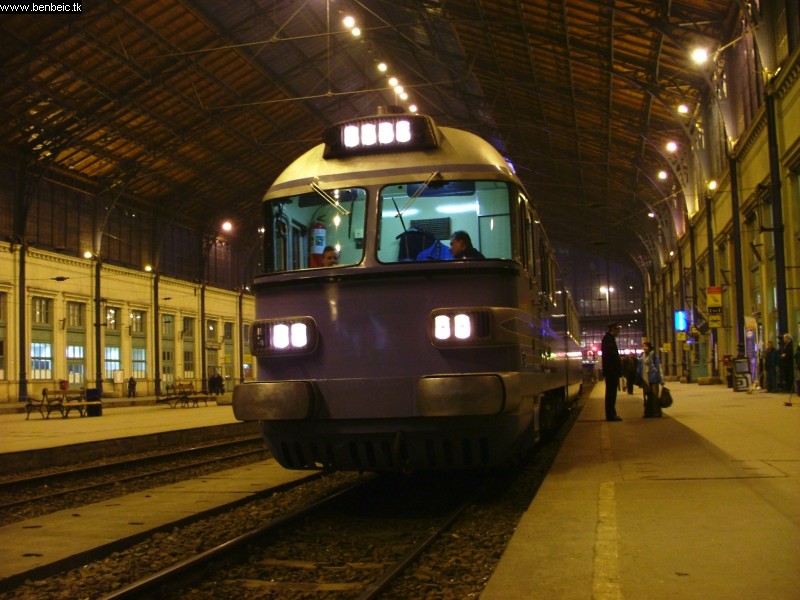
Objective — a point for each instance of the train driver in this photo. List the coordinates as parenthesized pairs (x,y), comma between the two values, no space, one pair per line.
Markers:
(461,246)
(330,258)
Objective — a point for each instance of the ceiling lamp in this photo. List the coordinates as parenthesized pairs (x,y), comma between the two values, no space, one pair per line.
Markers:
(700,56)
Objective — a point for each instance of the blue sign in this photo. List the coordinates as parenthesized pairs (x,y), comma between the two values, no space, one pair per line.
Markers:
(681,324)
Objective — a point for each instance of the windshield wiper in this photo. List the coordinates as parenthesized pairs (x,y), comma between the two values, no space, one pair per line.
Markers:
(416,194)
(328,198)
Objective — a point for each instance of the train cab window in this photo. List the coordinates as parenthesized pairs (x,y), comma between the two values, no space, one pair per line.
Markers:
(417,219)
(298,229)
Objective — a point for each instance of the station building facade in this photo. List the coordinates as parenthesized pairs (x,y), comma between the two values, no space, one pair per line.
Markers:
(729,266)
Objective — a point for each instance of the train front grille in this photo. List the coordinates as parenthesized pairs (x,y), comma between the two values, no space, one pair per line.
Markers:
(397,454)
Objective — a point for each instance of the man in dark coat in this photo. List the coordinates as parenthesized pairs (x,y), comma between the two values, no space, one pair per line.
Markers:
(787,362)
(461,246)
(612,370)
(771,359)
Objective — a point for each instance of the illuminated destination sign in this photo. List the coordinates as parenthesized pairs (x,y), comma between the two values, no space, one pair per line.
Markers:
(385,133)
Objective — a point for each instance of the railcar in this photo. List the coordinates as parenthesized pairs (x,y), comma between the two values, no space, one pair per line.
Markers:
(399,357)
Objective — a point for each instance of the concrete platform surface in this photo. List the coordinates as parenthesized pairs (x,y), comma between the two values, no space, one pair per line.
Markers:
(38,443)
(702,504)
(17,434)
(31,548)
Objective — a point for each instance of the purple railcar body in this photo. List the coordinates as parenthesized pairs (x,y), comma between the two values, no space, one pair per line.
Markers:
(386,360)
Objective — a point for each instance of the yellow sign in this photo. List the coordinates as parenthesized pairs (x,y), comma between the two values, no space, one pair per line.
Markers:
(666,347)
(715,321)
(680,336)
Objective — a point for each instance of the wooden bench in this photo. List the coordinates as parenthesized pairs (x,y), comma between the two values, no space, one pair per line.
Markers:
(183,394)
(168,396)
(46,403)
(70,400)
(78,402)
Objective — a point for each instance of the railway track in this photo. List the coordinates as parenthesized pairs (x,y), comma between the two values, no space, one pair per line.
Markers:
(33,495)
(355,542)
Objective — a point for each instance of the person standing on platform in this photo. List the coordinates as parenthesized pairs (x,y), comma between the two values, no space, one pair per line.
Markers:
(131,387)
(612,370)
(651,378)
(771,357)
(787,362)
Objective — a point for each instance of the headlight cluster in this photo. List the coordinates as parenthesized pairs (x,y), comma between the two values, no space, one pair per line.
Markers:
(385,133)
(454,327)
(281,337)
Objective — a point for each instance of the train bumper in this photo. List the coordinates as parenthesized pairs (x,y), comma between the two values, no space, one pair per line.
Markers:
(445,395)
(273,401)
(460,395)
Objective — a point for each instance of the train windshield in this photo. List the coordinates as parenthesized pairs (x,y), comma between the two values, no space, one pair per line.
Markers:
(323,228)
(418,219)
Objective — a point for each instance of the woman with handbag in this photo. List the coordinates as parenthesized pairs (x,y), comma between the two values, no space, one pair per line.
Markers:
(650,370)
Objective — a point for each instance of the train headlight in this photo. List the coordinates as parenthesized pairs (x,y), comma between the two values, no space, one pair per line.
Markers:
(441,327)
(454,327)
(382,133)
(282,337)
(462,326)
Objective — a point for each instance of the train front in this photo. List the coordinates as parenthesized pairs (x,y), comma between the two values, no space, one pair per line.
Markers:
(377,349)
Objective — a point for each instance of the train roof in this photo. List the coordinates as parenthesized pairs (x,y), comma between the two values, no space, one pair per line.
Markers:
(459,155)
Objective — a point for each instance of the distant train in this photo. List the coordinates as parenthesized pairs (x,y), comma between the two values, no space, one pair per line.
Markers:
(399,357)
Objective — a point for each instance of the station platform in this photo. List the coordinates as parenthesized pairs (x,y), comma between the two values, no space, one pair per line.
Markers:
(702,504)
(126,426)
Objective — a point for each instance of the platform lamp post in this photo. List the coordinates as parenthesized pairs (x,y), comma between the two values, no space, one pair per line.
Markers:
(156,330)
(712,277)
(98,322)
(154,267)
(208,242)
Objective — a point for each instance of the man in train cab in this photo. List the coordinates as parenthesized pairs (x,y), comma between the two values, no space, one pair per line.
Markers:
(330,258)
(461,246)
(612,370)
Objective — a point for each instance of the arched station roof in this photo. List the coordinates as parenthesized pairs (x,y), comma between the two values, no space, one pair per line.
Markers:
(199,104)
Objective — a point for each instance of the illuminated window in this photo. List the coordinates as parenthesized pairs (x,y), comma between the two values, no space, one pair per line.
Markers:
(113,361)
(112,319)
(137,321)
(41,360)
(75,312)
(42,310)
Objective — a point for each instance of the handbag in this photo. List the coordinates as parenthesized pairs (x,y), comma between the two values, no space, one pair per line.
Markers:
(665,399)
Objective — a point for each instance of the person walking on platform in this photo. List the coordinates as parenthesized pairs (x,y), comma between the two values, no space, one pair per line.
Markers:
(612,370)
(650,370)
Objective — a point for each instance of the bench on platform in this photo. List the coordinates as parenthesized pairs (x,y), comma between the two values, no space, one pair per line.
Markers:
(45,403)
(183,394)
(63,401)
(79,403)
